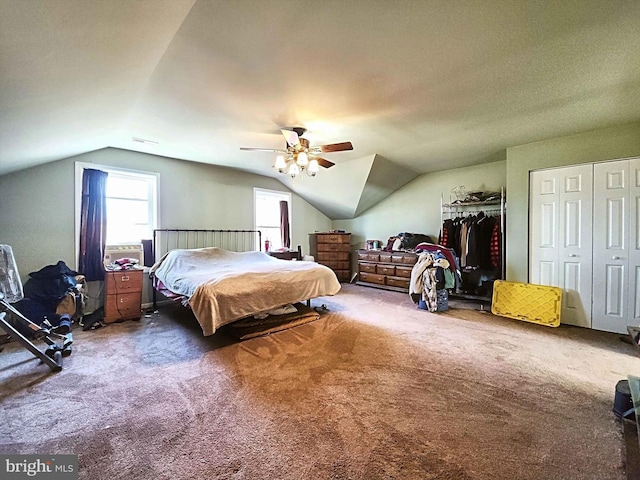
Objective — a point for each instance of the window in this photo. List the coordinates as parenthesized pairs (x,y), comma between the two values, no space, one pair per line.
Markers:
(130,207)
(132,199)
(267,215)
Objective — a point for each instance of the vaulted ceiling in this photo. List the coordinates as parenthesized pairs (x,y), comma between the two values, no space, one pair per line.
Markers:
(417,85)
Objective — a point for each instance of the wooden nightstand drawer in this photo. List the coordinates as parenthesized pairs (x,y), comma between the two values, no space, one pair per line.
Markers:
(122,306)
(385,269)
(124,281)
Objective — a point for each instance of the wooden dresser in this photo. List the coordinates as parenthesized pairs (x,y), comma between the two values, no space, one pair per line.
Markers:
(334,251)
(123,299)
(388,270)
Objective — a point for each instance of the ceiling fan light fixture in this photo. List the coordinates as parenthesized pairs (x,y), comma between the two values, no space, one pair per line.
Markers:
(299,156)
(313,167)
(303,159)
(280,164)
(294,169)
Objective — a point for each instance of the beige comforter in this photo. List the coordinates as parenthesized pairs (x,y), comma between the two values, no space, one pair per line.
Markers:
(224,286)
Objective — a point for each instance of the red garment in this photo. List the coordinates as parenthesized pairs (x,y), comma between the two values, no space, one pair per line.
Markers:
(494,248)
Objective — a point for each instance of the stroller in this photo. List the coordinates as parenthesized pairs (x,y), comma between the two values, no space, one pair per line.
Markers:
(58,345)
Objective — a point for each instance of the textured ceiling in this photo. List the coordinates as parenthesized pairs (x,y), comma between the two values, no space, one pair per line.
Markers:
(425,85)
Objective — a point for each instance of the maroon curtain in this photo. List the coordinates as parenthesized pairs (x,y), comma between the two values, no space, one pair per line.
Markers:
(93,224)
(284,224)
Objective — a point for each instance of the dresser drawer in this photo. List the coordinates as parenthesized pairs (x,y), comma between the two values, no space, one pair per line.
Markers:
(337,265)
(333,238)
(367,267)
(332,257)
(398,282)
(406,259)
(369,257)
(343,275)
(372,278)
(385,269)
(385,257)
(334,247)
(403,271)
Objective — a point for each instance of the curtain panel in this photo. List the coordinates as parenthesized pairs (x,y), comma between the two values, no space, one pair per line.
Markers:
(93,224)
(285,235)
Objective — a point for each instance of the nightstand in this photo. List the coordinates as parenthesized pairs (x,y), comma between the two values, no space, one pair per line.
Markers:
(123,298)
(291,255)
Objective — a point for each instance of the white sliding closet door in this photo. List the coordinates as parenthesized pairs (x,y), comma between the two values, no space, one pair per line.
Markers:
(560,237)
(616,245)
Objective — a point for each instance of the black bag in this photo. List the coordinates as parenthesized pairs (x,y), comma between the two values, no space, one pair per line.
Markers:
(622,403)
(411,240)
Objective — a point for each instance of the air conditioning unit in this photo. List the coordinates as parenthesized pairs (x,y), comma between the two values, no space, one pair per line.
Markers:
(116,252)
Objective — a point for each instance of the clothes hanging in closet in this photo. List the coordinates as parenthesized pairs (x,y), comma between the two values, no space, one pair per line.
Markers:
(476,239)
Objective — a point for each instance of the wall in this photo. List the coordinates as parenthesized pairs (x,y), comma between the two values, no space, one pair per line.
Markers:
(37,215)
(416,206)
(37,205)
(593,146)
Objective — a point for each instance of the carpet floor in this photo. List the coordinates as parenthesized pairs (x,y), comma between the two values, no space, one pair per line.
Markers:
(373,389)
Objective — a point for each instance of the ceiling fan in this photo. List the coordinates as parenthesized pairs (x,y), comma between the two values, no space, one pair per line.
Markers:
(299,156)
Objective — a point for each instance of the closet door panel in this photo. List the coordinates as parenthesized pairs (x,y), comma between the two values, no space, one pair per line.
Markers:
(560,237)
(546,274)
(611,247)
(543,238)
(615,287)
(633,306)
(572,285)
(615,223)
(635,297)
(575,246)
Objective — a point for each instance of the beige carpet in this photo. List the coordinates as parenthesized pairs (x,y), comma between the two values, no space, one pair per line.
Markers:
(374,389)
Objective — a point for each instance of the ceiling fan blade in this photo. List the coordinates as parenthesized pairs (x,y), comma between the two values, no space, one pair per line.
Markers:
(291,137)
(263,149)
(324,163)
(335,147)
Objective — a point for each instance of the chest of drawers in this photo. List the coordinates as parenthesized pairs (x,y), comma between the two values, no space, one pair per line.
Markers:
(334,251)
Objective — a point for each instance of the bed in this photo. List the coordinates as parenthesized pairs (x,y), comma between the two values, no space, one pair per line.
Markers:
(223,278)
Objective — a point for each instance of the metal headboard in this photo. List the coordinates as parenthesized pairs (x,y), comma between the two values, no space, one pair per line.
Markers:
(167,239)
